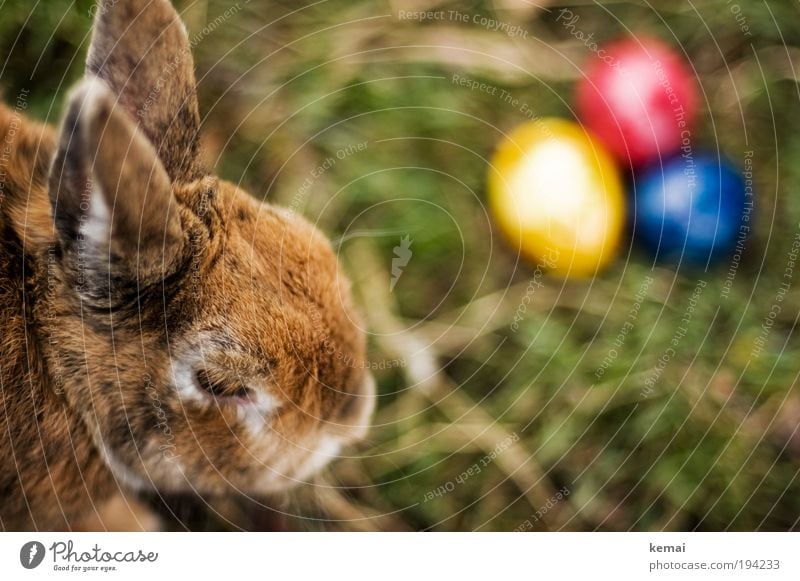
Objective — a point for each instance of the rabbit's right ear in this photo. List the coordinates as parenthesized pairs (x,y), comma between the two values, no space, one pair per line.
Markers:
(141,50)
(112,201)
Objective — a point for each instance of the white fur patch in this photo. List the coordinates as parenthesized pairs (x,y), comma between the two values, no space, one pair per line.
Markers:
(183,375)
(96,227)
(122,472)
(297,465)
(255,413)
(327,450)
(172,471)
(97,224)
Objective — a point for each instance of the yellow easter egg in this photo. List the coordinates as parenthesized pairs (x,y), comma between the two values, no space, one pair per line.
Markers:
(557,195)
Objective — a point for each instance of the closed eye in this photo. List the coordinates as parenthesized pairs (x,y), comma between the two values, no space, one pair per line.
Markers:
(219,387)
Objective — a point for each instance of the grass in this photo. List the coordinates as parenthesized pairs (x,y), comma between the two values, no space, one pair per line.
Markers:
(712,445)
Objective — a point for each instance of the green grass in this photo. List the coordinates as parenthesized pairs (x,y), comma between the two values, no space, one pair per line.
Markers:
(713,446)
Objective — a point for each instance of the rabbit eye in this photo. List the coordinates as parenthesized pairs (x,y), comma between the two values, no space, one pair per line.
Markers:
(217,387)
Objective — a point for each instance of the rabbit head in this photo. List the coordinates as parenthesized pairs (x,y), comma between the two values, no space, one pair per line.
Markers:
(206,339)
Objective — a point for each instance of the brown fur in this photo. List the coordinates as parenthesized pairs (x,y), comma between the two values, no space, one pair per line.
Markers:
(145,305)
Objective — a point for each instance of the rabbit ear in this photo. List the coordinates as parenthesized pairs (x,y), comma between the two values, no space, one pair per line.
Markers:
(112,200)
(141,50)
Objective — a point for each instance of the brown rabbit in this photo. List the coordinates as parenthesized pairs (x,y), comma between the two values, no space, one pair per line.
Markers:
(160,329)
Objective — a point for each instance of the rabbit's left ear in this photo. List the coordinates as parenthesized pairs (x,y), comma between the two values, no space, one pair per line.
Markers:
(116,217)
(141,50)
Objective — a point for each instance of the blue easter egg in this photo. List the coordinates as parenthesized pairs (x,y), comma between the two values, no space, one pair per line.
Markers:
(689,209)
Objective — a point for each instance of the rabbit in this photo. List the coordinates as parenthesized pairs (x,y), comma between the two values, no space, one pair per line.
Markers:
(161,330)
